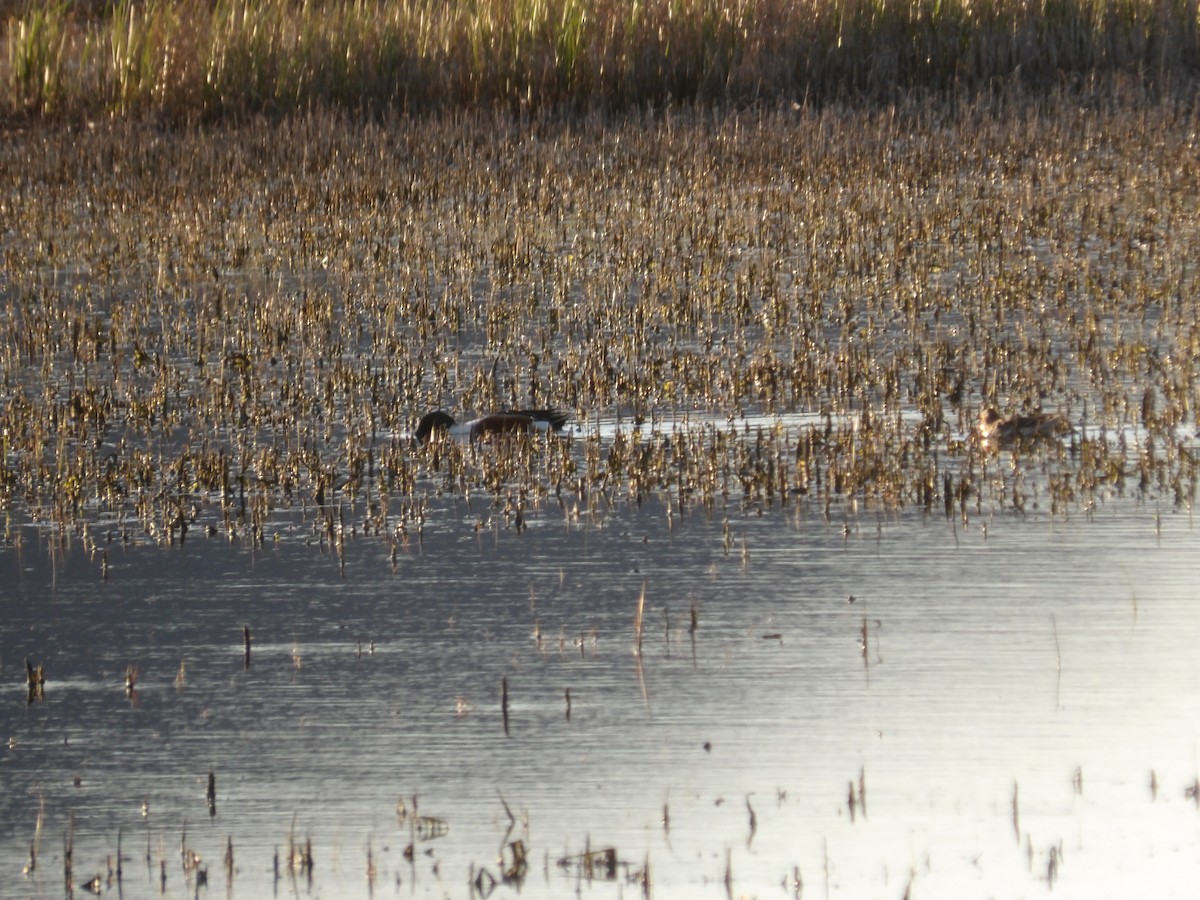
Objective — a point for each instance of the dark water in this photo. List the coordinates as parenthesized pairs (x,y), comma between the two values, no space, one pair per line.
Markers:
(1052,659)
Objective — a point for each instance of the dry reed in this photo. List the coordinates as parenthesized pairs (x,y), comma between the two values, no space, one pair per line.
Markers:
(201,328)
(198,59)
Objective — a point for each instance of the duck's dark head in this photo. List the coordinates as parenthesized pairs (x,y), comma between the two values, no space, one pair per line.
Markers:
(430,422)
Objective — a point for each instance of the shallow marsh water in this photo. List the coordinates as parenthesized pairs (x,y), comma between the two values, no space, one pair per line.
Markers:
(1043,657)
(1022,718)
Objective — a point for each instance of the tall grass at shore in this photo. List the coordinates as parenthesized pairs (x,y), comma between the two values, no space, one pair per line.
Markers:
(202,59)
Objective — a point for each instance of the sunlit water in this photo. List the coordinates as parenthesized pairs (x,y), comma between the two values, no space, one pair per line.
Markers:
(1048,660)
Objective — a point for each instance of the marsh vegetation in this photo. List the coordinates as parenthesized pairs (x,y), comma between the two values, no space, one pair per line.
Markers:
(774,260)
(199,60)
(810,305)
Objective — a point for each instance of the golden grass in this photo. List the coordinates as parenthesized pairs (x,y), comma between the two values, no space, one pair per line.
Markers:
(199,327)
(205,58)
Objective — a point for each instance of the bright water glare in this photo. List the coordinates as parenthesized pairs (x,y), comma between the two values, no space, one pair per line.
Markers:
(863,705)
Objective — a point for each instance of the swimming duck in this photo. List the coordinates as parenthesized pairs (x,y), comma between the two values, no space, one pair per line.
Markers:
(1033,427)
(513,421)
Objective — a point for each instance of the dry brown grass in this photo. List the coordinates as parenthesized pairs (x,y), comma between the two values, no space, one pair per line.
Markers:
(199,327)
(200,59)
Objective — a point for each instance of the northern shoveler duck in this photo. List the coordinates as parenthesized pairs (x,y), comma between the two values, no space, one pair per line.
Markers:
(513,421)
(994,428)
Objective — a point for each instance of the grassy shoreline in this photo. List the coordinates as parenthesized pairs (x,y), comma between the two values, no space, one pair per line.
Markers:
(203,60)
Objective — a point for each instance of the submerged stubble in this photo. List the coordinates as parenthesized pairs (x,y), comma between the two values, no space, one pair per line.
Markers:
(201,328)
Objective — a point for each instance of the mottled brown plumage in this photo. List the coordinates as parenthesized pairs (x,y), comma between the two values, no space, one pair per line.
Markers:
(995,429)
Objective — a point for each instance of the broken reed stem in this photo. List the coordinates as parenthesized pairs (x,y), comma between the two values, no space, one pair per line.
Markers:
(68,852)
(1016,814)
(638,621)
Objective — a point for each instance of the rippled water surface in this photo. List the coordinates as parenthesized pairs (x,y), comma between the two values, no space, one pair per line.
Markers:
(1022,719)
